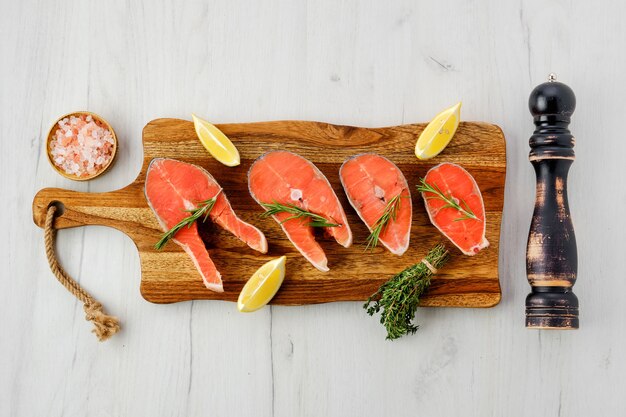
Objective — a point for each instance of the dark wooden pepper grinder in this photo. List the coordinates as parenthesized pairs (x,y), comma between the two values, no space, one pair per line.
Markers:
(551,256)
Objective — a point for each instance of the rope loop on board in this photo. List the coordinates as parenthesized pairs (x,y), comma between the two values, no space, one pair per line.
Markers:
(105,326)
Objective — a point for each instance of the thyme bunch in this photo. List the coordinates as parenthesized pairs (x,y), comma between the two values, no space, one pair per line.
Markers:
(398,299)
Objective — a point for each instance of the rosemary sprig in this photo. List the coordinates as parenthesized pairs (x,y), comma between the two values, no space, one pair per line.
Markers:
(203,209)
(451,202)
(389,214)
(296,213)
(399,297)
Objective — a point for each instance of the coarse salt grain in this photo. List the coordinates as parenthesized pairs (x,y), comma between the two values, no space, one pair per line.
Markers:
(81,146)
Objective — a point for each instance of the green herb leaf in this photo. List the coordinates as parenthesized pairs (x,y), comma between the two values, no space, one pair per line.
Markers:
(451,202)
(399,297)
(203,209)
(389,214)
(296,213)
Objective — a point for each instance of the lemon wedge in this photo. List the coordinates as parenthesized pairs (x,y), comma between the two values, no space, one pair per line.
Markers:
(262,286)
(438,133)
(216,142)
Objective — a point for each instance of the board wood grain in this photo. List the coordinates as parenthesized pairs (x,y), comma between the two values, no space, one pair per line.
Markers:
(170,276)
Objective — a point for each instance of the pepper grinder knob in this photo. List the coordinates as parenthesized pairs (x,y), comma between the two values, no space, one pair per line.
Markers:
(551,254)
(552,100)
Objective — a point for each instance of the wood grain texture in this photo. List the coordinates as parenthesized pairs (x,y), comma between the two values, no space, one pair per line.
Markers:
(170,276)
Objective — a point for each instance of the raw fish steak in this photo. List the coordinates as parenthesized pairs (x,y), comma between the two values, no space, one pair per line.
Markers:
(370,182)
(286,178)
(465,227)
(171,188)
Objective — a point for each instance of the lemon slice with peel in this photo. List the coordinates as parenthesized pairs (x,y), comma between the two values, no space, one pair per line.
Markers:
(216,142)
(438,133)
(262,286)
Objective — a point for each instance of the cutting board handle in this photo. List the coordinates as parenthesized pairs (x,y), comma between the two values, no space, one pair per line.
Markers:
(83,209)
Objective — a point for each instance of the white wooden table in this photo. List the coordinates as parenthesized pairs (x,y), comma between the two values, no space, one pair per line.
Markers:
(368,63)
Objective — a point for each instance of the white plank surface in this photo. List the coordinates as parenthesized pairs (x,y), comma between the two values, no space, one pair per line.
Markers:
(355,62)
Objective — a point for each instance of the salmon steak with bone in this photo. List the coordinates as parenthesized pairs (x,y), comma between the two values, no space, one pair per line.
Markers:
(173,189)
(299,197)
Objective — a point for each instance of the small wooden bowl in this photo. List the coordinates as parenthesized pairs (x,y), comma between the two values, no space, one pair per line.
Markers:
(97,118)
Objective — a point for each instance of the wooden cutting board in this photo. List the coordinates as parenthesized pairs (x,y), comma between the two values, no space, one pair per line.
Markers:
(170,276)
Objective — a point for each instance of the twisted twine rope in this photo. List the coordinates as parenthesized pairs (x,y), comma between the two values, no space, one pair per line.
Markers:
(433,270)
(104,326)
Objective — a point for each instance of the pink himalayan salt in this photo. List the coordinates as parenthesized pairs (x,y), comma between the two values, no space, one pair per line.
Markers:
(81,146)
